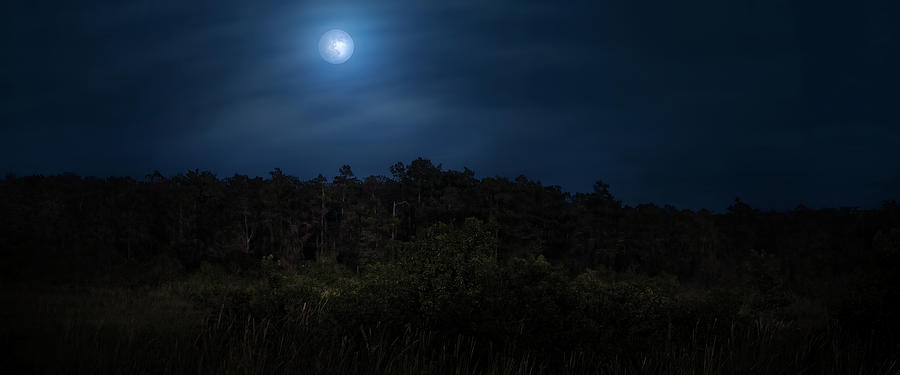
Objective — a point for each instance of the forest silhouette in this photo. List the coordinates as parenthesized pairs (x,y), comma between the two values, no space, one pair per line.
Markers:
(434,271)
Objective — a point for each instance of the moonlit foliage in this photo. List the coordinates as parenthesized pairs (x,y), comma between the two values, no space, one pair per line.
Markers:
(336,46)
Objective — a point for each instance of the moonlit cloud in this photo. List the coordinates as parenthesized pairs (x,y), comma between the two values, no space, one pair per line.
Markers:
(682,103)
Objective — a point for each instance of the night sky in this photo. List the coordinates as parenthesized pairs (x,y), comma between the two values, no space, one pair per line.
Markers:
(689,103)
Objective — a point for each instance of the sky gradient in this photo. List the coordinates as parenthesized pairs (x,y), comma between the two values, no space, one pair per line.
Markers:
(686,103)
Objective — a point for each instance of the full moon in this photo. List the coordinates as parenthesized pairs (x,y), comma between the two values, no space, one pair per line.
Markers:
(336,46)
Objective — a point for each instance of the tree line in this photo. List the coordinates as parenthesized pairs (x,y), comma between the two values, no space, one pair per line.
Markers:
(197,217)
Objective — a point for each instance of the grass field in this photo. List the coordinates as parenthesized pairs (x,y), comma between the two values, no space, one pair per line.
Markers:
(209,323)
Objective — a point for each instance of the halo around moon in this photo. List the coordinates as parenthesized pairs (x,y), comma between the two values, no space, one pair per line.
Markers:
(336,46)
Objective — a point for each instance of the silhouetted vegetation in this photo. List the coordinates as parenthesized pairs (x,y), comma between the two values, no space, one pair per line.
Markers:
(434,271)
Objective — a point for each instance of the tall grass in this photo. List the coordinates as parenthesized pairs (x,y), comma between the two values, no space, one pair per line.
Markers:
(113,331)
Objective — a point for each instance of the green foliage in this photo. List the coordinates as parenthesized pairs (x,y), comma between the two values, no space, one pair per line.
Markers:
(448,265)
(624,312)
(765,290)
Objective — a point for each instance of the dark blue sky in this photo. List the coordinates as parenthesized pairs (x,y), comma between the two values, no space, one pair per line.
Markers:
(691,103)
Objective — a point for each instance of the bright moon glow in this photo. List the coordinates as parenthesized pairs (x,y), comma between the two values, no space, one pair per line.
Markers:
(336,46)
